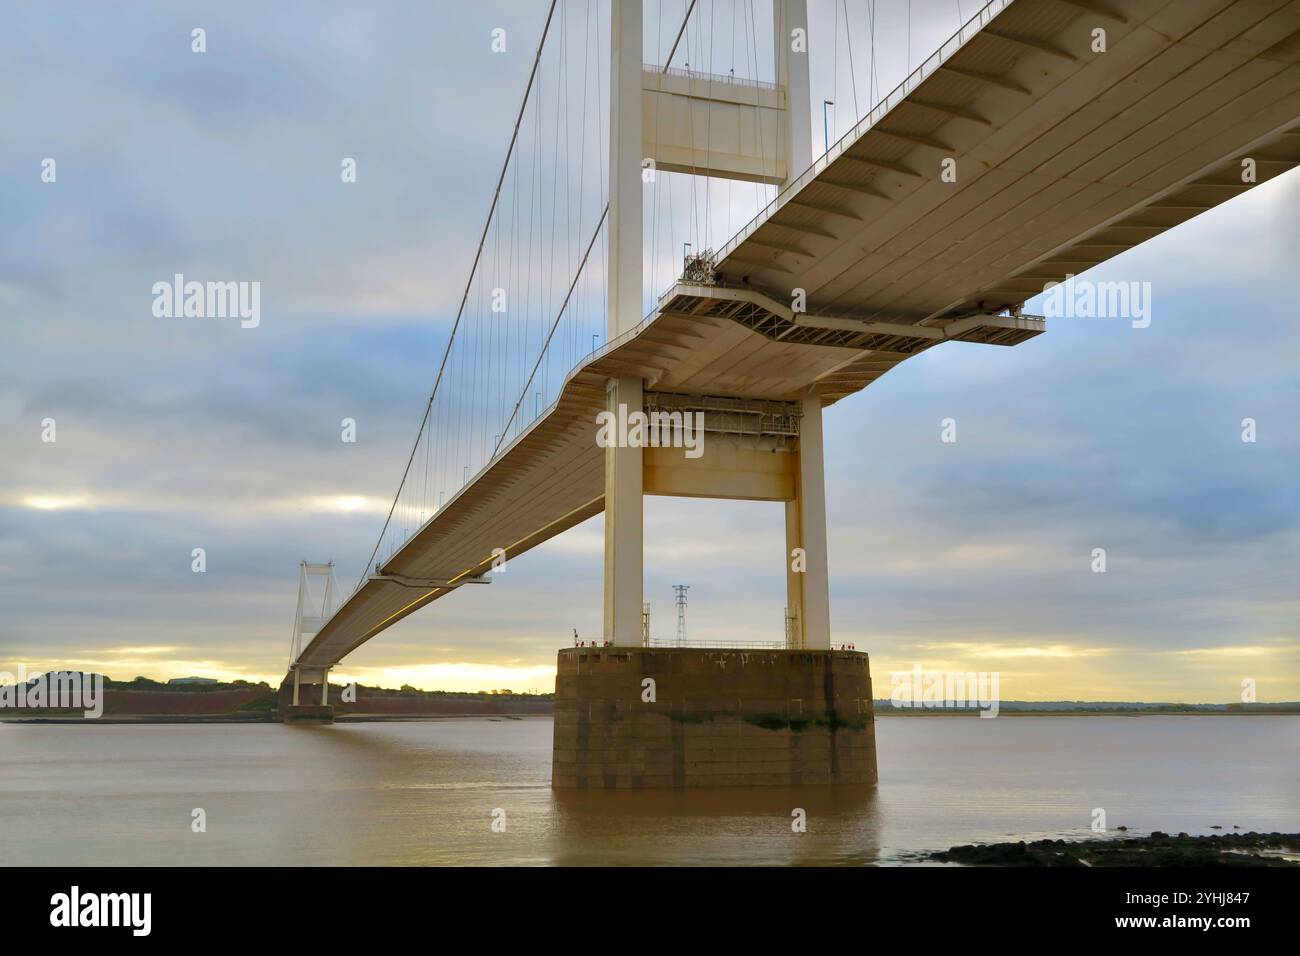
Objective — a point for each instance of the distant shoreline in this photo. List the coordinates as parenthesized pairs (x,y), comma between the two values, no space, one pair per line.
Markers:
(67,718)
(251,719)
(197,701)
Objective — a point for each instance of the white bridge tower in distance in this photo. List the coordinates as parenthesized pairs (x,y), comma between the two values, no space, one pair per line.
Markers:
(318,599)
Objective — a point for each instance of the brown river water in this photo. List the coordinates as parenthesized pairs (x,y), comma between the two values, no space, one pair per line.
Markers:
(428,792)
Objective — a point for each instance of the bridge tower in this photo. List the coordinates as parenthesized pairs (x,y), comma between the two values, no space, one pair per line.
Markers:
(800,713)
(318,598)
(653,119)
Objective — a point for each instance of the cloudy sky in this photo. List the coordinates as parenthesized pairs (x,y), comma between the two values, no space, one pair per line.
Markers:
(174,434)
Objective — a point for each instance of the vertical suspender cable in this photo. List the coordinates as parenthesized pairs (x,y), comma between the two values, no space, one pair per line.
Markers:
(537,59)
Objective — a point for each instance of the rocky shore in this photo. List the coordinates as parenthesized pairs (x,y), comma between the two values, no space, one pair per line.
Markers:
(1157,849)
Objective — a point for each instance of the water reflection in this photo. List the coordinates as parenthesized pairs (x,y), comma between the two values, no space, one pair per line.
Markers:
(716,826)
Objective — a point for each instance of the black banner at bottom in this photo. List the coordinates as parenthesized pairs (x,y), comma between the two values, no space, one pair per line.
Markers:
(352,904)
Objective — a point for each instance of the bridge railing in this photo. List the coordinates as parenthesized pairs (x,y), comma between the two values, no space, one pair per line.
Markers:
(932,63)
(714,77)
(720,644)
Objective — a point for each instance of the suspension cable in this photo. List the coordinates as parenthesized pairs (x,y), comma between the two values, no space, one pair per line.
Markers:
(685,20)
(532,76)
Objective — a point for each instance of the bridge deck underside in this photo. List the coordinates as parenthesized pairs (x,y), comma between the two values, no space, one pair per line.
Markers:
(1065,158)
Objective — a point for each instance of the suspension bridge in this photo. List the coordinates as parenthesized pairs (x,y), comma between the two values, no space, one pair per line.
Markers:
(1042,138)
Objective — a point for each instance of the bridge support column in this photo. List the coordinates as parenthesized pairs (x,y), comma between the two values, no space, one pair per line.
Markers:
(808,590)
(792,73)
(624,521)
(626,190)
(624,511)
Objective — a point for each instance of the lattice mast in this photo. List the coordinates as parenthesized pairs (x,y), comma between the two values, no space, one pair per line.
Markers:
(681,590)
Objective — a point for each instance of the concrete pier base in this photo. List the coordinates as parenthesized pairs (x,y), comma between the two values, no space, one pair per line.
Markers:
(307,710)
(308,714)
(632,718)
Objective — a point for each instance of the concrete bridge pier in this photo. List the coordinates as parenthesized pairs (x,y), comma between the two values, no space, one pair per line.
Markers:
(674,717)
(304,696)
